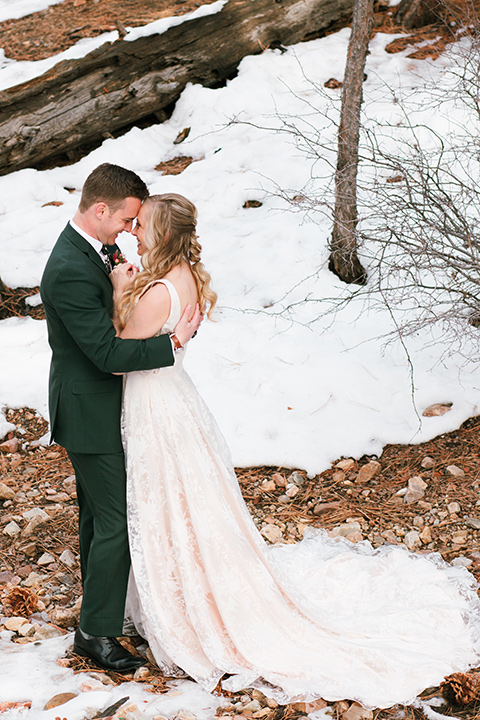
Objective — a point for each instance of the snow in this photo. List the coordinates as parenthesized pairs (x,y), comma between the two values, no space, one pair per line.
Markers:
(290,388)
(10,9)
(289,385)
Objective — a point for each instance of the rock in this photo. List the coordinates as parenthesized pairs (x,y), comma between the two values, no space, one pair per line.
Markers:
(348,464)
(102,677)
(9,446)
(6,493)
(357,712)
(415,490)
(271,703)
(453,508)
(279,480)
(427,463)
(437,409)
(460,537)
(295,478)
(462,561)
(92,685)
(390,537)
(338,476)
(253,706)
(455,471)
(60,699)
(14,623)
(271,532)
(141,672)
(368,471)
(35,512)
(259,695)
(426,536)
(27,630)
(268,486)
(67,558)
(46,632)
(45,559)
(291,490)
(185,715)
(64,617)
(12,529)
(6,577)
(412,539)
(418,521)
(473,523)
(29,549)
(34,579)
(321,508)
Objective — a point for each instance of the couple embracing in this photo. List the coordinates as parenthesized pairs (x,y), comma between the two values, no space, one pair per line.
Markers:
(161,511)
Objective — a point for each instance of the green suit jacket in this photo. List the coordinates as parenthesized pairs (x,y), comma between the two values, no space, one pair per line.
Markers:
(84,397)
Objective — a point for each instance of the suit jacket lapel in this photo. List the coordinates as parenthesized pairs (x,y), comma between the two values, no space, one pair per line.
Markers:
(85,247)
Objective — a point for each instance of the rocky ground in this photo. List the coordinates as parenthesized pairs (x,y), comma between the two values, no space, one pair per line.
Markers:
(422,496)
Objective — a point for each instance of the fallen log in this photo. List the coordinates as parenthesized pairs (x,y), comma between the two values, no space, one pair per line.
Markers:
(80,102)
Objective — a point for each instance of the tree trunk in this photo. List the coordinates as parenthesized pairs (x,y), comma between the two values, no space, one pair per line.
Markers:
(344,260)
(80,102)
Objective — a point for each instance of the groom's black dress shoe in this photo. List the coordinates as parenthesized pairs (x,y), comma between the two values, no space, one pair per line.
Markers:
(106,652)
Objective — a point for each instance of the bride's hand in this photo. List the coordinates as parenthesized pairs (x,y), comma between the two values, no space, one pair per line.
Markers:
(185,328)
(122,276)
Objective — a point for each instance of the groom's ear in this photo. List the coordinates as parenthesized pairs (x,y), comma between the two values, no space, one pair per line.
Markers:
(100,208)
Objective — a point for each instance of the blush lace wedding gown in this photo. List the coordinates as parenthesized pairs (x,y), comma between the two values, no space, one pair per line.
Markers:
(322,618)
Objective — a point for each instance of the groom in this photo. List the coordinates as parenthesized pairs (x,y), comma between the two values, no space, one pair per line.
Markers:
(85,397)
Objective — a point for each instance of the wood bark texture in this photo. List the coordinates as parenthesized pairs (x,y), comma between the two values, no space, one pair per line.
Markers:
(80,102)
(344,260)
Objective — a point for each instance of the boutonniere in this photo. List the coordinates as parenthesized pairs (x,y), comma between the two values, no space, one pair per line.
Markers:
(118,258)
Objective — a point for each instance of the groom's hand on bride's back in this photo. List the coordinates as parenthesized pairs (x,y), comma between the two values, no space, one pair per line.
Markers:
(188,324)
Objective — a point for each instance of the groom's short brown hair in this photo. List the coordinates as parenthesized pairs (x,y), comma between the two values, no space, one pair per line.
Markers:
(111,184)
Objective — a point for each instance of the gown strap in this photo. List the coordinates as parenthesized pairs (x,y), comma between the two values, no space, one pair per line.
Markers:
(175,304)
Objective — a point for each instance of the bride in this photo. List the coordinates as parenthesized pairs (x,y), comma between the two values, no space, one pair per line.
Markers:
(322,618)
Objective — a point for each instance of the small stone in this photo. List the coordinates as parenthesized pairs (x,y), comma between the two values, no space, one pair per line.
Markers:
(268,486)
(9,446)
(279,480)
(67,558)
(415,490)
(60,699)
(459,538)
(272,533)
(34,513)
(91,685)
(291,491)
(453,508)
(357,712)
(271,703)
(427,463)
(14,623)
(284,499)
(6,493)
(34,579)
(45,559)
(46,632)
(418,521)
(141,673)
(437,409)
(12,529)
(252,706)
(29,549)
(390,537)
(259,695)
(185,715)
(455,471)
(369,471)
(426,536)
(27,630)
(473,523)
(296,478)
(348,464)
(102,677)
(64,617)
(321,508)
(412,539)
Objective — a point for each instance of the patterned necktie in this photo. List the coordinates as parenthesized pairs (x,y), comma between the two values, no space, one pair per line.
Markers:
(107,258)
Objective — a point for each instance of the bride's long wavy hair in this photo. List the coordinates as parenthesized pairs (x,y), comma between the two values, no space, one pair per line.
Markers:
(170,237)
